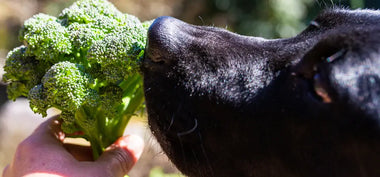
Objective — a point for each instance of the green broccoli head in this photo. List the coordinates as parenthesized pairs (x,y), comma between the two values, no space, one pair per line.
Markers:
(83,36)
(23,72)
(46,38)
(89,11)
(66,86)
(85,63)
(37,101)
(118,53)
(69,123)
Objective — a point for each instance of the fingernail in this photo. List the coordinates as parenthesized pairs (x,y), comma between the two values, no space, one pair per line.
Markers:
(131,143)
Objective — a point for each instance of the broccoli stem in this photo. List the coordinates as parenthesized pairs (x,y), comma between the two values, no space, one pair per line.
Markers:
(134,103)
(100,130)
(94,134)
(97,148)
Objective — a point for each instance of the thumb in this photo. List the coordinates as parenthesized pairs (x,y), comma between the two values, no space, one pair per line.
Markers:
(122,155)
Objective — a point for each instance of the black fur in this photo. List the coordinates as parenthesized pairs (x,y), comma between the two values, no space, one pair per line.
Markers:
(222,104)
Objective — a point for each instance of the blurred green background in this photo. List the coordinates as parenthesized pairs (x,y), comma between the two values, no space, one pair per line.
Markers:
(264,18)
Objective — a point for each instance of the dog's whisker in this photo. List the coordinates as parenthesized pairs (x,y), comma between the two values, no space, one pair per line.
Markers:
(171,122)
(189,131)
(205,154)
(179,135)
(173,116)
(182,148)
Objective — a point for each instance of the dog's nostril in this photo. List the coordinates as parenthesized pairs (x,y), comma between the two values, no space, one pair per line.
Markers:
(162,42)
(154,55)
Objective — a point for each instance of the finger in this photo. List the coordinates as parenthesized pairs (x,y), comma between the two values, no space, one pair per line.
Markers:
(48,137)
(79,152)
(50,131)
(50,134)
(121,156)
(6,172)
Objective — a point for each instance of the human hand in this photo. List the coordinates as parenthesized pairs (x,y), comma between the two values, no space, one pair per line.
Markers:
(43,153)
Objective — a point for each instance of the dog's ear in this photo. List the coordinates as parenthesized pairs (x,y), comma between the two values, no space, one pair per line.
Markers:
(344,68)
(315,67)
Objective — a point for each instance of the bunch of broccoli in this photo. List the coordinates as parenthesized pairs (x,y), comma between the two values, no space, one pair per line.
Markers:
(85,63)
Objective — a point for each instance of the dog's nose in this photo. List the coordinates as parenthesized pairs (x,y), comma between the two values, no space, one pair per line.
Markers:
(164,37)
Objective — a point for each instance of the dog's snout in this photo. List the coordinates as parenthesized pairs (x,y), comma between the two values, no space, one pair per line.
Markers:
(163,39)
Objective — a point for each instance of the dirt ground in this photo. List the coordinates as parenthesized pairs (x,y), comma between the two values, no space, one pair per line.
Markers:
(17,121)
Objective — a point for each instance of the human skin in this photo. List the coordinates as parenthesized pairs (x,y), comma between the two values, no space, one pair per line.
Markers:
(43,153)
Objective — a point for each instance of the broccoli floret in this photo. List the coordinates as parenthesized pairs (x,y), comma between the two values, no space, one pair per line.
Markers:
(46,38)
(23,72)
(119,52)
(85,63)
(66,86)
(69,123)
(89,11)
(84,35)
(37,100)
(110,97)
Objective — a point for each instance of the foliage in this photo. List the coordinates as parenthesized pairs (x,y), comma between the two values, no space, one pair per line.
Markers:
(269,19)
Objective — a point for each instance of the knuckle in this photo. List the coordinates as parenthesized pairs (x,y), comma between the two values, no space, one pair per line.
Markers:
(25,146)
(122,161)
(6,171)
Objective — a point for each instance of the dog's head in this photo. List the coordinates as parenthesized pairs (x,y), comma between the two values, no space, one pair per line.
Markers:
(222,104)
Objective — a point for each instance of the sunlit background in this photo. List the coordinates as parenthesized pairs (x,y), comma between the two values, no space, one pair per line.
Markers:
(265,18)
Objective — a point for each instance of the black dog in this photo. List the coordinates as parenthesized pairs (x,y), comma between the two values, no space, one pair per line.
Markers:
(226,105)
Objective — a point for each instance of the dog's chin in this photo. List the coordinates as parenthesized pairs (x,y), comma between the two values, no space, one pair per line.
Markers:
(173,123)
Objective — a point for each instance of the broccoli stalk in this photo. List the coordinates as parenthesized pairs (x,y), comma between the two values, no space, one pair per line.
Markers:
(84,62)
